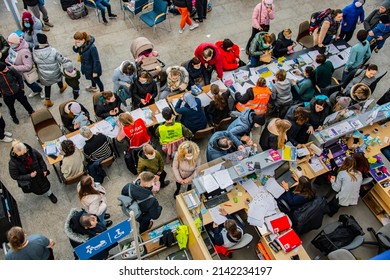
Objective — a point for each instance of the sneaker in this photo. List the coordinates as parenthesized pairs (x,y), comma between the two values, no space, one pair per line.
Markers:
(8,134)
(181,30)
(48,103)
(112,16)
(194,25)
(107,216)
(376,50)
(45,28)
(42,95)
(53,198)
(6,139)
(108,223)
(15,120)
(63,88)
(91,89)
(34,94)
(48,23)
(166,183)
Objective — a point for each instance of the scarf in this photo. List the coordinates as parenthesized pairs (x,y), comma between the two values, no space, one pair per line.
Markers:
(190,100)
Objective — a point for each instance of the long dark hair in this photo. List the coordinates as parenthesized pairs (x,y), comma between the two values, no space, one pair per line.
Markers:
(304,188)
(310,71)
(219,101)
(232,228)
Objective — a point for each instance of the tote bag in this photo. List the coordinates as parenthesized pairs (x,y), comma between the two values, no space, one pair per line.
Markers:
(31,76)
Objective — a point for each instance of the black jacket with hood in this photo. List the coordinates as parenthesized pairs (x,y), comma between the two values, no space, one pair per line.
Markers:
(280,45)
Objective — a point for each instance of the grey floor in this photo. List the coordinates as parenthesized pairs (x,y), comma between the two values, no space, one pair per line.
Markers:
(228,19)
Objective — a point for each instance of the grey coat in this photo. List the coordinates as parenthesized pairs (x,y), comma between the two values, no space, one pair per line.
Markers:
(49,62)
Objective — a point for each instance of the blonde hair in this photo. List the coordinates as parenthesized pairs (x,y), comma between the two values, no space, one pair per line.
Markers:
(281,75)
(282,126)
(125,119)
(148,149)
(349,165)
(188,147)
(261,82)
(287,31)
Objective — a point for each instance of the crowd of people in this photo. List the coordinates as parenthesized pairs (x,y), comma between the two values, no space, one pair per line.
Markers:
(289,111)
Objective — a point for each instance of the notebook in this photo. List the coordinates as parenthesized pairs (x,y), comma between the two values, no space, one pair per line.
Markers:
(280,224)
(289,240)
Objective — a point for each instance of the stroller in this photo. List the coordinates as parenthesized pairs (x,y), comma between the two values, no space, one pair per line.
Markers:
(145,57)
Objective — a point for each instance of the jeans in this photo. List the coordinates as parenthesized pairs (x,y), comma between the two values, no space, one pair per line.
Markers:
(10,101)
(101,6)
(144,221)
(101,218)
(48,90)
(254,61)
(208,73)
(327,40)
(2,128)
(99,82)
(35,87)
(39,8)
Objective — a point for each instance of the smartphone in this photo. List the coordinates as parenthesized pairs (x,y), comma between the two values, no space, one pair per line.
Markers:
(379,173)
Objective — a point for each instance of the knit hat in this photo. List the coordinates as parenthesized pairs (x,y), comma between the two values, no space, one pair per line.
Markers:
(268,2)
(2,66)
(384,18)
(167,113)
(75,108)
(14,38)
(343,101)
(27,16)
(227,43)
(42,38)
(386,4)
(68,66)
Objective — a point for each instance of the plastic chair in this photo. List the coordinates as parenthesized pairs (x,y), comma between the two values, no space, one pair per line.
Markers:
(95,100)
(223,124)
(304,38)
(158,15)
(341,254)
(72,180)
(203,133)
(45,126)
(92,4)
(131,11)
(382,238)
(245,240)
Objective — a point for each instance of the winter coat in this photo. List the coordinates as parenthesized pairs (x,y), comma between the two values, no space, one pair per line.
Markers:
(229,58)
(184,170)
(183,4)
(281,93)
(305,89)
(11,82)
(139,91)
(242,125)
(317,118)
(323,74)
(193,120)
(213,149)
(260,15)
(119,79)
(215,61)
(268,140)
(4,47)
(358,54)
(72,81)
(93,203)
(256,48)
(280,45)
(182,83)
(155,165)
(373,19)
(90,61)
(150,206)
(20,173)
(49,62)
(294,132)
(214,114)
(20,58)
(31,39)
(67,120)
(351,15)
(380,29)
(194,74)
(103,107)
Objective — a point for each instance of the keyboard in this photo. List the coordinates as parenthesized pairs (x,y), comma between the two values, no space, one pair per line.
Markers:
(216,200)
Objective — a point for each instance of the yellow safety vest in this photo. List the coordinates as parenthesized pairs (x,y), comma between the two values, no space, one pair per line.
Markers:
(170,133)
(258,103)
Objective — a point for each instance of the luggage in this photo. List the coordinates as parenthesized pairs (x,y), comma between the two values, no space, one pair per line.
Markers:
(65,4)
(77,11)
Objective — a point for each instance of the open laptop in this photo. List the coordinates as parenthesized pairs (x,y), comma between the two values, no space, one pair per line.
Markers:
(283,173)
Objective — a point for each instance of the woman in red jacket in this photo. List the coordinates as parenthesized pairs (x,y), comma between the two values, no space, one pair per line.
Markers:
(230,55)
(211,58)
(134,130)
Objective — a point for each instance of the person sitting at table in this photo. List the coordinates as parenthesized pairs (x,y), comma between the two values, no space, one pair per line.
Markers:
(319,110)
(229,233)
(324,71)
(134,130)
(346,184)
(274,134)
(71,117)
(255,98)
(124,76)
(73,162)
(260,45)
(109,105)
(192,114)
(230,55)
(177,81)
(186,165)
(143,90)
(281,97)
(222,143)
(366,76)
(218,109)
(244,123)
(299,195)
(299,132)
(362,164)
(196,72)
(304,90)
(211,58)
(328,29)
(151,160)
(284,45)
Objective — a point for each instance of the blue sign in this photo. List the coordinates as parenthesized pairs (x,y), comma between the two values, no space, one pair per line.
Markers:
(103,240)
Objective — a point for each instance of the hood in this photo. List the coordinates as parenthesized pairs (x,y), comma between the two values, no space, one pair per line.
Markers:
(245,117)
(74,215)
(281,36)
(13,156)
(284,86)
(43,53)
(386,4)
(354,1)
(219,46)
(89,44)
(23,45)
(123,63)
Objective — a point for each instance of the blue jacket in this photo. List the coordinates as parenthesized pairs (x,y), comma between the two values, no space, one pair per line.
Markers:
(242,125)
(380,30)
(193,120)
(351,15)
(358,55)
(90,61)
(213,150)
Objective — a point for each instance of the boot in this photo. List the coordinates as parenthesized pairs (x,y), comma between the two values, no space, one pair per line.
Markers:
(49,24)
(63,88)
(45,28)
(48,103)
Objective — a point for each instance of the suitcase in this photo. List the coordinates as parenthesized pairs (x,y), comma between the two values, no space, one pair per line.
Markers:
(65,4)
(77,11)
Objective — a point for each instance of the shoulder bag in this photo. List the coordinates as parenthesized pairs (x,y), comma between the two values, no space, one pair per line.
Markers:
(31,76)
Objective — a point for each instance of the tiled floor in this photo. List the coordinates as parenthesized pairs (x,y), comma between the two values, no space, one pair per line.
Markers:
(228,19)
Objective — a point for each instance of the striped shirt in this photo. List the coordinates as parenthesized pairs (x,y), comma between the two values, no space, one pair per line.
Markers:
(97,148)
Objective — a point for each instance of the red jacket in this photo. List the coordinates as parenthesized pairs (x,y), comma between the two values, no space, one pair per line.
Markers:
(215,61)
(137,134)
(229,57)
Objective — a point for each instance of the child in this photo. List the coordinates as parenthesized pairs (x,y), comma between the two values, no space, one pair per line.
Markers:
(72,78)
(381,29)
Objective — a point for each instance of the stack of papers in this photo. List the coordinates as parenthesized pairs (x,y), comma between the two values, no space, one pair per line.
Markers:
(78,140)
(209,183)
(220,84)
(337,60)
(204,99)
(316,165)
(242,88)
(274,188)
(161,104)
(262,205)
(219,179)
(289,153)
(313,54)
(216,216)
(250,187)
(241,76)
(51,148)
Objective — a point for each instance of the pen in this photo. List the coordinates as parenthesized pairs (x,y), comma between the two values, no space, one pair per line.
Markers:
(228,205)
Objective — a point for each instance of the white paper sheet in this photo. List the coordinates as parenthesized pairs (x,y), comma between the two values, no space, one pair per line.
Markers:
(331,49)
(228,75)
(223,178)
(341,47)
(316,165)
(337,61)
(62,138)
(78,140)
(306,58)
(209,183)
(313,54)
(220,84)
(213,169)
(137,114)
(174,101)
(161,104)
(159,118)
(274,188)
(254,78)
(250,187)
(273,67)
(204,99)
(216,216)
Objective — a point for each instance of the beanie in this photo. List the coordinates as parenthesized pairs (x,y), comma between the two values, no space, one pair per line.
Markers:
(384,18)
(386,4)
(343,101)
(75,108)
(68,66)
(268,2)
(27,16)
(42,38)
(14,38)
(166,113)
(2,66)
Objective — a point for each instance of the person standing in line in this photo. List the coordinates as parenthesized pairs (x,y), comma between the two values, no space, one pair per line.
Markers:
(352,14)
(36,7)
(72,78)
(33,247)
(4,47)
(184,7)
(31,26)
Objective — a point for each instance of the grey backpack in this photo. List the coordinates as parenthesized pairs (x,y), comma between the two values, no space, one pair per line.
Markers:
(77,11)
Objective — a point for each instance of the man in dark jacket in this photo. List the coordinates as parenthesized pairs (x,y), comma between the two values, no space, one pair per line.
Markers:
(109,105)
(4,47)
(373,19)
(196,72)
(284,45)
(12,88)
(222,143)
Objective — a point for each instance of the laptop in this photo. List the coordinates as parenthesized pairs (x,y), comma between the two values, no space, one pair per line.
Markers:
(337,151)
(283,173)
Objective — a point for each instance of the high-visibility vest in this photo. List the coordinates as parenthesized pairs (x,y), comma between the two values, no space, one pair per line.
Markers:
(170,133)
(259,102)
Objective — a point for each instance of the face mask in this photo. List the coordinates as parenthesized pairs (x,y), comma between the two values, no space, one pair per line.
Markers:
(197,67)
(152,157)
(79,44)
(27,25)
(288,38)
(189,157)
(13,46)
(264,46)
(268,6)
(358,4)
(142,82)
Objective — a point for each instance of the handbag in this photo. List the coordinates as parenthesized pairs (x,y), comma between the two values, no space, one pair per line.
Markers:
(31,76)
(25,186)
(266,57)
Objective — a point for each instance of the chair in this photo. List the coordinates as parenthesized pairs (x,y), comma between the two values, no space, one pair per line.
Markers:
(157,15)
(45,126)
(95,100)
(245,240)
(61,109)
(341,254)
(107,163)
(223,124)
(335,86)
(304,38)
(92,4)
(273,36)
(382,238)
(203,133)
(133,10)
(72,180)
